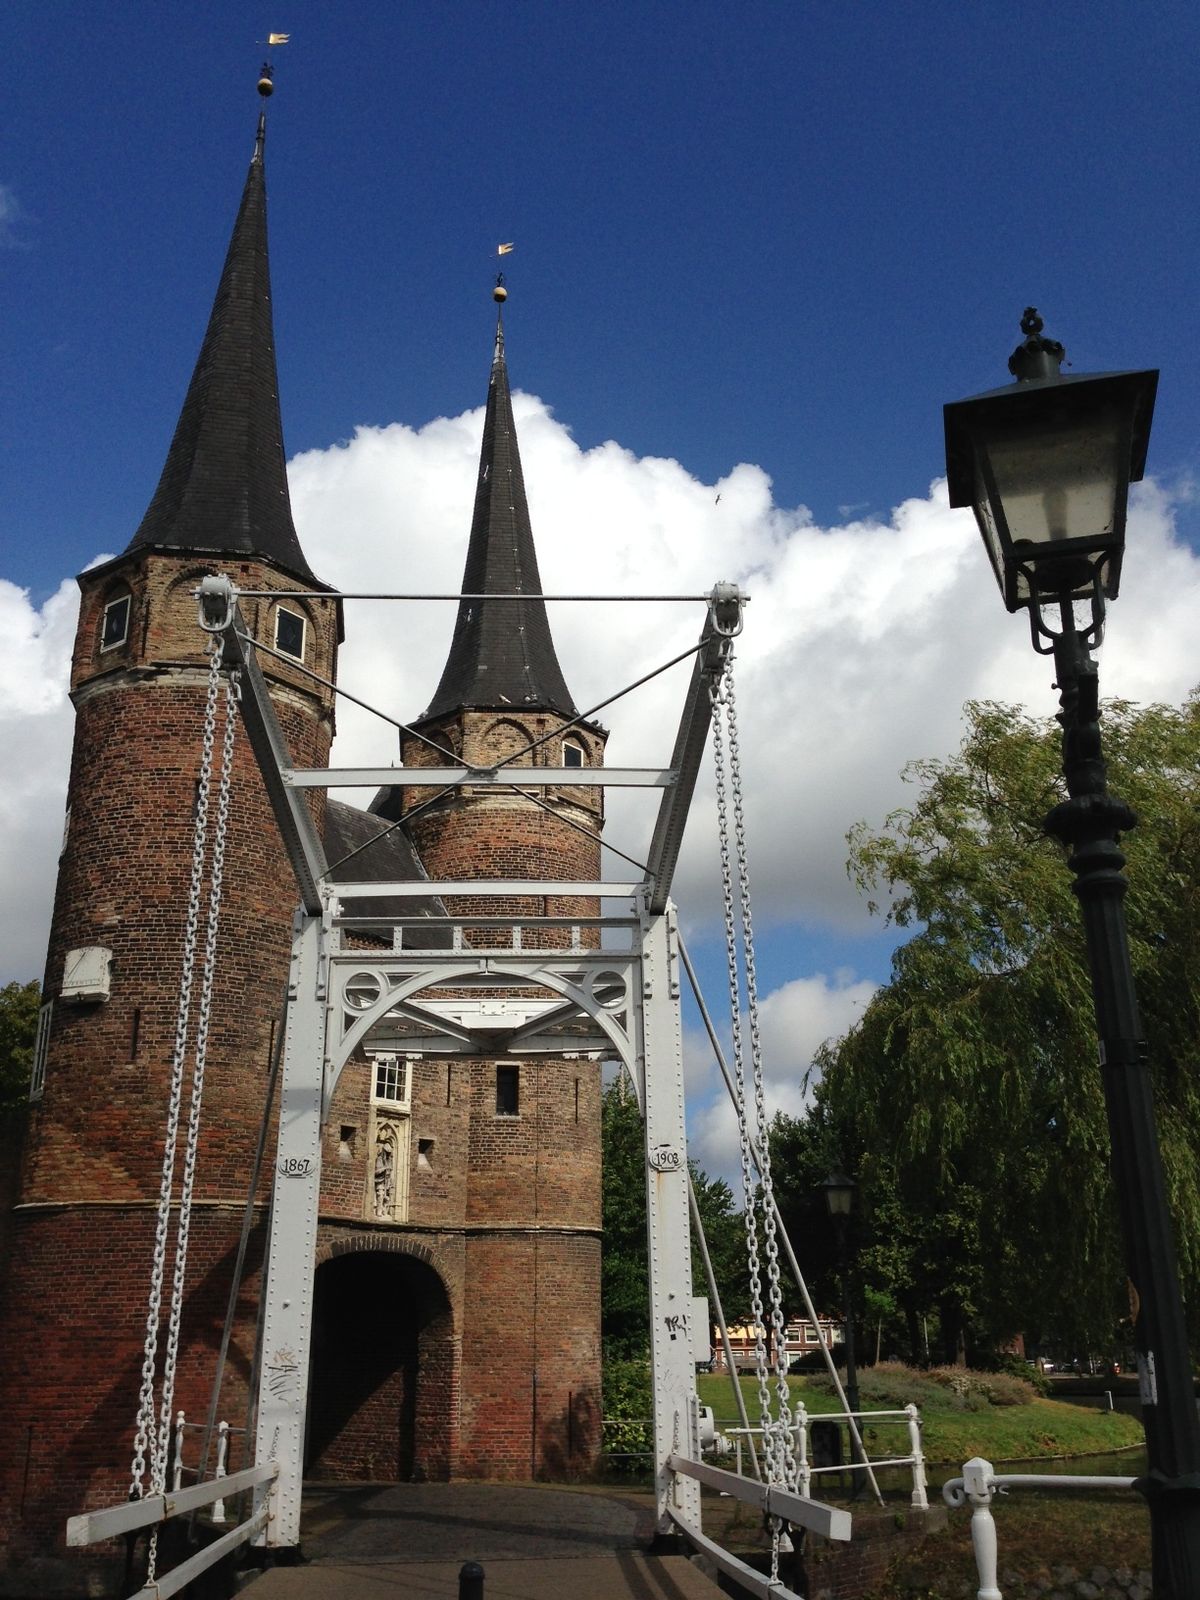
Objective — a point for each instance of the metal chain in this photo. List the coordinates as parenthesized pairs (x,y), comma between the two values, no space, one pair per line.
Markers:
(787,1462)
(145,1438)
(204,1010)
(749,1189)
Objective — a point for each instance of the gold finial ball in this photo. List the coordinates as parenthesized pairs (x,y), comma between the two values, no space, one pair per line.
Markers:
(499,294)
(265,87)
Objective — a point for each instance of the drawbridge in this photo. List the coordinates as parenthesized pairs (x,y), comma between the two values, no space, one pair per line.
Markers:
(385,962)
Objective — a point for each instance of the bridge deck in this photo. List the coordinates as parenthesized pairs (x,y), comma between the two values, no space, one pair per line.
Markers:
(396,1541)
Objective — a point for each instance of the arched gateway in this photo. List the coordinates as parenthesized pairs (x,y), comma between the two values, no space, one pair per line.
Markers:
(383,1371)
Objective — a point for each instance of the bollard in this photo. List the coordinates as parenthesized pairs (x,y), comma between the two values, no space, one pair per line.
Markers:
(1108,1400)
(470,1581)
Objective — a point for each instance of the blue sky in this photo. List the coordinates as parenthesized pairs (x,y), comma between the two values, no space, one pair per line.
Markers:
(774,233)
(756,250)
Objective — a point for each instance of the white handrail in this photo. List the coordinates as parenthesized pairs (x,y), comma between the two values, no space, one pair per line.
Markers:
(915,1458)
(979,1484)
(92,1526)
(831,1521)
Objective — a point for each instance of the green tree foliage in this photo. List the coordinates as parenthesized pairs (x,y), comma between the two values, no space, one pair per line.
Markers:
(968,1097)
(19,1003)
(624,1283)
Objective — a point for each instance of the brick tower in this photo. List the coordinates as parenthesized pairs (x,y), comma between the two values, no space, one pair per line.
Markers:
(72,1319)
(483,1259)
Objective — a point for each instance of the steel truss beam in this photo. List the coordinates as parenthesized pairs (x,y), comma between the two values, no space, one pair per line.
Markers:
(622,1003)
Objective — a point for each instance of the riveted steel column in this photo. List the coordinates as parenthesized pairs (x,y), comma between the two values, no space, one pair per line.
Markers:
(676,1418)
(288,1296)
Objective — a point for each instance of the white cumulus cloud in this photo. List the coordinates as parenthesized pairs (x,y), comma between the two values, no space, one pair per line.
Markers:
(862,641)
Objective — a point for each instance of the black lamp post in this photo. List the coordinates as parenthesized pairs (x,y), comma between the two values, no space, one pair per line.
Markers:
(1046,463)
(840,1194)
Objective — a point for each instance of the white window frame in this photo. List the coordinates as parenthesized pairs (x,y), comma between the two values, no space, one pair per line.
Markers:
(574,744)
(297,616)
(401,1067)
(41,1050)
(125,600)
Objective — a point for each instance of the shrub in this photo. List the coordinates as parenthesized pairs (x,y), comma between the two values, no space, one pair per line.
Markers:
(628,1406)
(891,1385)
(994,1388)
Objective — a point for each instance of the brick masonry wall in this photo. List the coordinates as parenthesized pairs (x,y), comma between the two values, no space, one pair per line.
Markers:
(73,1311)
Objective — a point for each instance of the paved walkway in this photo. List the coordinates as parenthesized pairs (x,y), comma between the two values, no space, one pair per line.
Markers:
(408,1541)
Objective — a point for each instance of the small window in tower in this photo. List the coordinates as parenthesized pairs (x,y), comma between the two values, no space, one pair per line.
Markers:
(115,628)
(289,633)
(573,753)
(508,1089)
(41,1049)
(391,1086)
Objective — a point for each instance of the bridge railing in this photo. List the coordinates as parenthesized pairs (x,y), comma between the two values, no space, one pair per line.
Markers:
(979,1485)
(180,1466)
(802,1442)
(153,1509)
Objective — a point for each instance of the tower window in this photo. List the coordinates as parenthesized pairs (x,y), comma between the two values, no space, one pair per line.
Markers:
(289,633)
(508,1091)
(573,753)
(114,630)
(41,1049)
(391,1083)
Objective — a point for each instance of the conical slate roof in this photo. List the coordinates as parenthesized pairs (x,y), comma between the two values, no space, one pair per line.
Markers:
(224,486)
(502,653)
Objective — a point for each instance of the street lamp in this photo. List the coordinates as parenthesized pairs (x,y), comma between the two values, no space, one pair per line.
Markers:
(840,1195)
(1046,463)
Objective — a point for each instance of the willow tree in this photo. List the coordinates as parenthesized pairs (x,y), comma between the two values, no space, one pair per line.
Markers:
(971,1082)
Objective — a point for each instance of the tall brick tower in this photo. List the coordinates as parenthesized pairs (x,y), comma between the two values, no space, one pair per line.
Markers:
(458,1320)
(74,1302)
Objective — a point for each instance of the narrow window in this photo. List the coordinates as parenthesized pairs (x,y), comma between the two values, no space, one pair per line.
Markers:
(289,633)
(508,1091)
(573,753)
(391,1073)
(41,1048)
(576,1099)
(424,1152)
(114,630)
(134,1031)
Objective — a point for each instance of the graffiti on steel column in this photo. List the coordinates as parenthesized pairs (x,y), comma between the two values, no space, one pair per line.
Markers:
(282,1373)
(676,1324)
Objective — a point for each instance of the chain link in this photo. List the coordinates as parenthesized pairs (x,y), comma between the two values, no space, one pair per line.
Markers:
(778,1429)
(203,1017)
(145,1438)
(153,1436)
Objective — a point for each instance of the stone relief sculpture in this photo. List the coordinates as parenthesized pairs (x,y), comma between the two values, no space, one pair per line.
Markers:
(385,1173)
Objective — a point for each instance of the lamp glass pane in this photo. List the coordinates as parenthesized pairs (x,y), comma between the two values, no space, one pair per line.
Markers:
(1061,481)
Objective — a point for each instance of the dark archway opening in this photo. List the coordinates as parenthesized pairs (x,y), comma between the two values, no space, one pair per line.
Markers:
(381,1371)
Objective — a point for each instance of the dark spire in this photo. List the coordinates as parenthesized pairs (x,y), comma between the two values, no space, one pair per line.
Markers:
(224,486)
(501,653)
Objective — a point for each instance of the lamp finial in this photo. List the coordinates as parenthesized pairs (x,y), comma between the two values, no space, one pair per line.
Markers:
(1036,356)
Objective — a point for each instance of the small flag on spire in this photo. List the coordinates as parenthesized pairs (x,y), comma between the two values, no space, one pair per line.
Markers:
(278,38)
(505,249)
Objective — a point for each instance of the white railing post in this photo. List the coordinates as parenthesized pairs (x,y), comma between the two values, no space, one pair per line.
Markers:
(920,1497)
(218,1510)
(977,1486)
(803,1470)
(177,1470)
(737,1445)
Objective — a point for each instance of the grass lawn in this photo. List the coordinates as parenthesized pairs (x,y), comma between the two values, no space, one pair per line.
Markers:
(951,1434)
